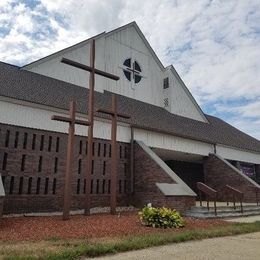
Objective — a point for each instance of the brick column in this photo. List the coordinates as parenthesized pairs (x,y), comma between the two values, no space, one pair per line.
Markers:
(148,173)
(219,172)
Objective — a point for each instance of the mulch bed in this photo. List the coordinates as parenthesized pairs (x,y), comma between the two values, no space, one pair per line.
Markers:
(89,227)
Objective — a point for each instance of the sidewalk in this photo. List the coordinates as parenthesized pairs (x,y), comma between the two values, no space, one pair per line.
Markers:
(243,247)
(249,219)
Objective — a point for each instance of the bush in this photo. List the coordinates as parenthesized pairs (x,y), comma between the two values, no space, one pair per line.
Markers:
(160,217)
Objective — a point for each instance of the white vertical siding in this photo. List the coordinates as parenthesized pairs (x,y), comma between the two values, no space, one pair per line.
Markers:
(238,155)
(173,143)
(179,101)
(111,52)
(37,118)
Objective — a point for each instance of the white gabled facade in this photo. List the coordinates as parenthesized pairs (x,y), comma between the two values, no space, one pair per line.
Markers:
(112,50)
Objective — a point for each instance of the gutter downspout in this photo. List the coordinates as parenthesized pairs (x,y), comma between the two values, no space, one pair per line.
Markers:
(215,148)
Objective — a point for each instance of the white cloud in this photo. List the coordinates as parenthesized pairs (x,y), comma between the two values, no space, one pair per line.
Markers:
(214,45)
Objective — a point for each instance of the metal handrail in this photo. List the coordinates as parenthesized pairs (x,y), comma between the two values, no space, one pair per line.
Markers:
(257,195)
(235,194)
(209,193)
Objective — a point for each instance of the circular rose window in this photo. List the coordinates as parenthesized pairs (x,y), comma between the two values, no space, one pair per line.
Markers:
(132,70)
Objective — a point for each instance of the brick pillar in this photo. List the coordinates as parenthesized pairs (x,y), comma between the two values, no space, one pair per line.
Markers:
(219,172)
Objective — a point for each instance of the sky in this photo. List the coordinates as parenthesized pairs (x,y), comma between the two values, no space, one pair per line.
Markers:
(214,45)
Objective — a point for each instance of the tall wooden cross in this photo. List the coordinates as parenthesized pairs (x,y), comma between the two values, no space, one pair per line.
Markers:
(69,162)
(114,114)
(92,71)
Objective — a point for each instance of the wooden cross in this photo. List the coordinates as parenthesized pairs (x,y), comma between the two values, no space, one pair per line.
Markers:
(92,71)
(114,114)
(69,163)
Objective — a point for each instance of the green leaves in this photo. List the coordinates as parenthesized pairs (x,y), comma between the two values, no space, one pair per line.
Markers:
(160,217)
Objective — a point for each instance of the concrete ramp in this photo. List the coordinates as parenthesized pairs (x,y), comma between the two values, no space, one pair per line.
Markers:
(156,183)
(219,172)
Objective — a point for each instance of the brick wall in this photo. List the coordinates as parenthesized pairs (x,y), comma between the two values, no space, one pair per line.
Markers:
(218,173)
(147,173)
(32,164)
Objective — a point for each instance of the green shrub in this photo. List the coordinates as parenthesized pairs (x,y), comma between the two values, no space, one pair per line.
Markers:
(160,217)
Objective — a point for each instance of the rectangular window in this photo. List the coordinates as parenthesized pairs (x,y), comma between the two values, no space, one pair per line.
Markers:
(109,186)
(92,168)
(11,188)
(79,166)
(99,148)
(80,147)
(23,162)
(57,144)
(50,143)
(54,186)
(56,165)
(104,167)
(166,83)
(103,186)
(91,187)
(166,102)
(78,186)
(7,136)
(84,187)
(125,169)
(105,150)
(40,164)
(93,148)
(4,161)
(42,143)
(46,188)
(29,191)
(38,185)
(33,141)
(25,137)
(16,139)
(120,151)
(97,187)
(125,152)
(21,185)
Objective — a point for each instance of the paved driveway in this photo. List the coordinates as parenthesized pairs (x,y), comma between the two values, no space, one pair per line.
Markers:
(244,247)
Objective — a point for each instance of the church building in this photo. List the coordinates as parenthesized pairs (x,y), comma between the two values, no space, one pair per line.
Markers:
(166,147)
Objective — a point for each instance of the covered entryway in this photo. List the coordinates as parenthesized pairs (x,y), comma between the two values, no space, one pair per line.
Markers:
(189,167)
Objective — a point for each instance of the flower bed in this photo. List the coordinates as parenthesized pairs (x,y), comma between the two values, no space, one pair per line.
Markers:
(94,226)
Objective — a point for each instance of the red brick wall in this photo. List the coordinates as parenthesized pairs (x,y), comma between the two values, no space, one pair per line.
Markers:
(147,173)
(28,156)
(219,173)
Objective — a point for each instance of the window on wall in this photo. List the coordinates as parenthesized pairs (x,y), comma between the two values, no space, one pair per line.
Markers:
(249,170)
(166,83)
(166,102)
(132,70)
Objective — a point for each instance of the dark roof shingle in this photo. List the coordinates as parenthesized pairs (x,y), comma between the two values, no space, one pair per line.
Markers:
(28,86)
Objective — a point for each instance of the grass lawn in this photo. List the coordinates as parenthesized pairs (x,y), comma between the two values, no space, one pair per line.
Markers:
(70,248)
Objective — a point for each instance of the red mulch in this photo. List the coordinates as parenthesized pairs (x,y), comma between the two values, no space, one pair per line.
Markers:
(94,226)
